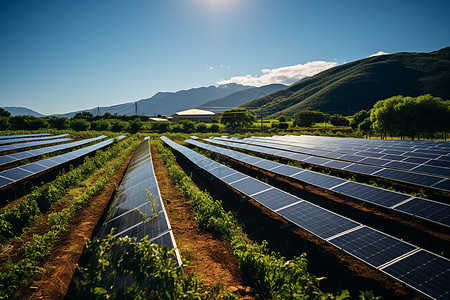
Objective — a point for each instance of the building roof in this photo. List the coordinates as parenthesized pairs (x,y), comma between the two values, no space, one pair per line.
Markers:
(195,112)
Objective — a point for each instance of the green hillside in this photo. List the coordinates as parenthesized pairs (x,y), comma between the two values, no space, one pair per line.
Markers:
(358,85)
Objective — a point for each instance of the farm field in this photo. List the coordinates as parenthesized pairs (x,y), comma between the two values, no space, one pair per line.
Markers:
(248,218)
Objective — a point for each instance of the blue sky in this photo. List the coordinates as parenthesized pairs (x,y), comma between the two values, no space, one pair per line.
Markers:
(60,56)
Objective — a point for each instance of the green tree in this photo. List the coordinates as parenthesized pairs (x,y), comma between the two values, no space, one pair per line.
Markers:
(83,115)
(37,123)
(19,122)
(237,118)
(187,126)
(408,116)
(339,120)
(118,125)
(101,125)
(358,118)
(306,118)
(4,113)
(4,123)
(135,125)
(58,122)
(80,124)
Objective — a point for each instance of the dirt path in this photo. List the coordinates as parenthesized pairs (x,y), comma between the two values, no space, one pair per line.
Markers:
(209,257)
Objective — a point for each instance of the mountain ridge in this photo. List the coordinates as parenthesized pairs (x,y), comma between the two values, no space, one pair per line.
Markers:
(358,85)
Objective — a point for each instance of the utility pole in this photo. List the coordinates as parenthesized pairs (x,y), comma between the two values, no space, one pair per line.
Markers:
(98,110)
(135,108)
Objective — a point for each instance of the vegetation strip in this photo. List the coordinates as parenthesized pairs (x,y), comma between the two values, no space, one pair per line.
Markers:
(39,246)
(278,277)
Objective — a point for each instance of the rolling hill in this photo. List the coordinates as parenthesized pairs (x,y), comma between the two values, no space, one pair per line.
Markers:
(22,111)
(238,98)
(358,85)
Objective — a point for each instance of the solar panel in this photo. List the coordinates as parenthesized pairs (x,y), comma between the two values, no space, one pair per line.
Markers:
(134,212)
(23,172)
(391,174)
(317,220)
(393,256)
(29,139)
(23,135)
(355,190)
(32,144)
(425,272)
(371,246)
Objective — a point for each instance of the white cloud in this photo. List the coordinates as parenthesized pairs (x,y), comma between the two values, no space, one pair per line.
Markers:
(284,75)
(379,53)
(210,68)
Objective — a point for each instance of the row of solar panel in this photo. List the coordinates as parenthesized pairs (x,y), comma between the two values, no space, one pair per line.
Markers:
(18,156)
(424,271)
(392,144)
(14,175)
(352,146)
(22,135)
(137,209)
(29,139)
(32,144)
(424,180)
(423,208)
(411,164)
(416,156)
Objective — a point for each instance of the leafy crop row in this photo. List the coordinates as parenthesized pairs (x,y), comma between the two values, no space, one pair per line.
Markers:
(278,277)
(11,273)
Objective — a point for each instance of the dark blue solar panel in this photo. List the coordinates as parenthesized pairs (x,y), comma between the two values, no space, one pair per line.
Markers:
(250,186)
(423,155)
(371,246)
(438,163)
(443,185)
(392,157)
(420,179)
(316,220)
(435,211)
(352,158)
(337,164)
(363,169)
(369,154)
(275,199)
(374,161)
(267,164)
(33,167)
(6,159)
(371,194)
(287,170)
(23,135)
(15,174)
(415,160)
(234,177)
(222,172)
(316,160)
(4,181)
(424,271)
(318,179)
(251,159)
(433,170)
(401,165)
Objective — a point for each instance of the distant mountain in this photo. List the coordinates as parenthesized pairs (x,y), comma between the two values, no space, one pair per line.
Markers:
(358,85)
(168,103)
(238,98)
(22,111)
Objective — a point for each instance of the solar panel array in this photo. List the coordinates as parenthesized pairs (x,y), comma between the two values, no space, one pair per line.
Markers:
(18,156)
(435,161)
(32,144)
(290,152)
(422,270)
(429,210)
(29,139)
(132,200)
(14,175)
(23,135)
